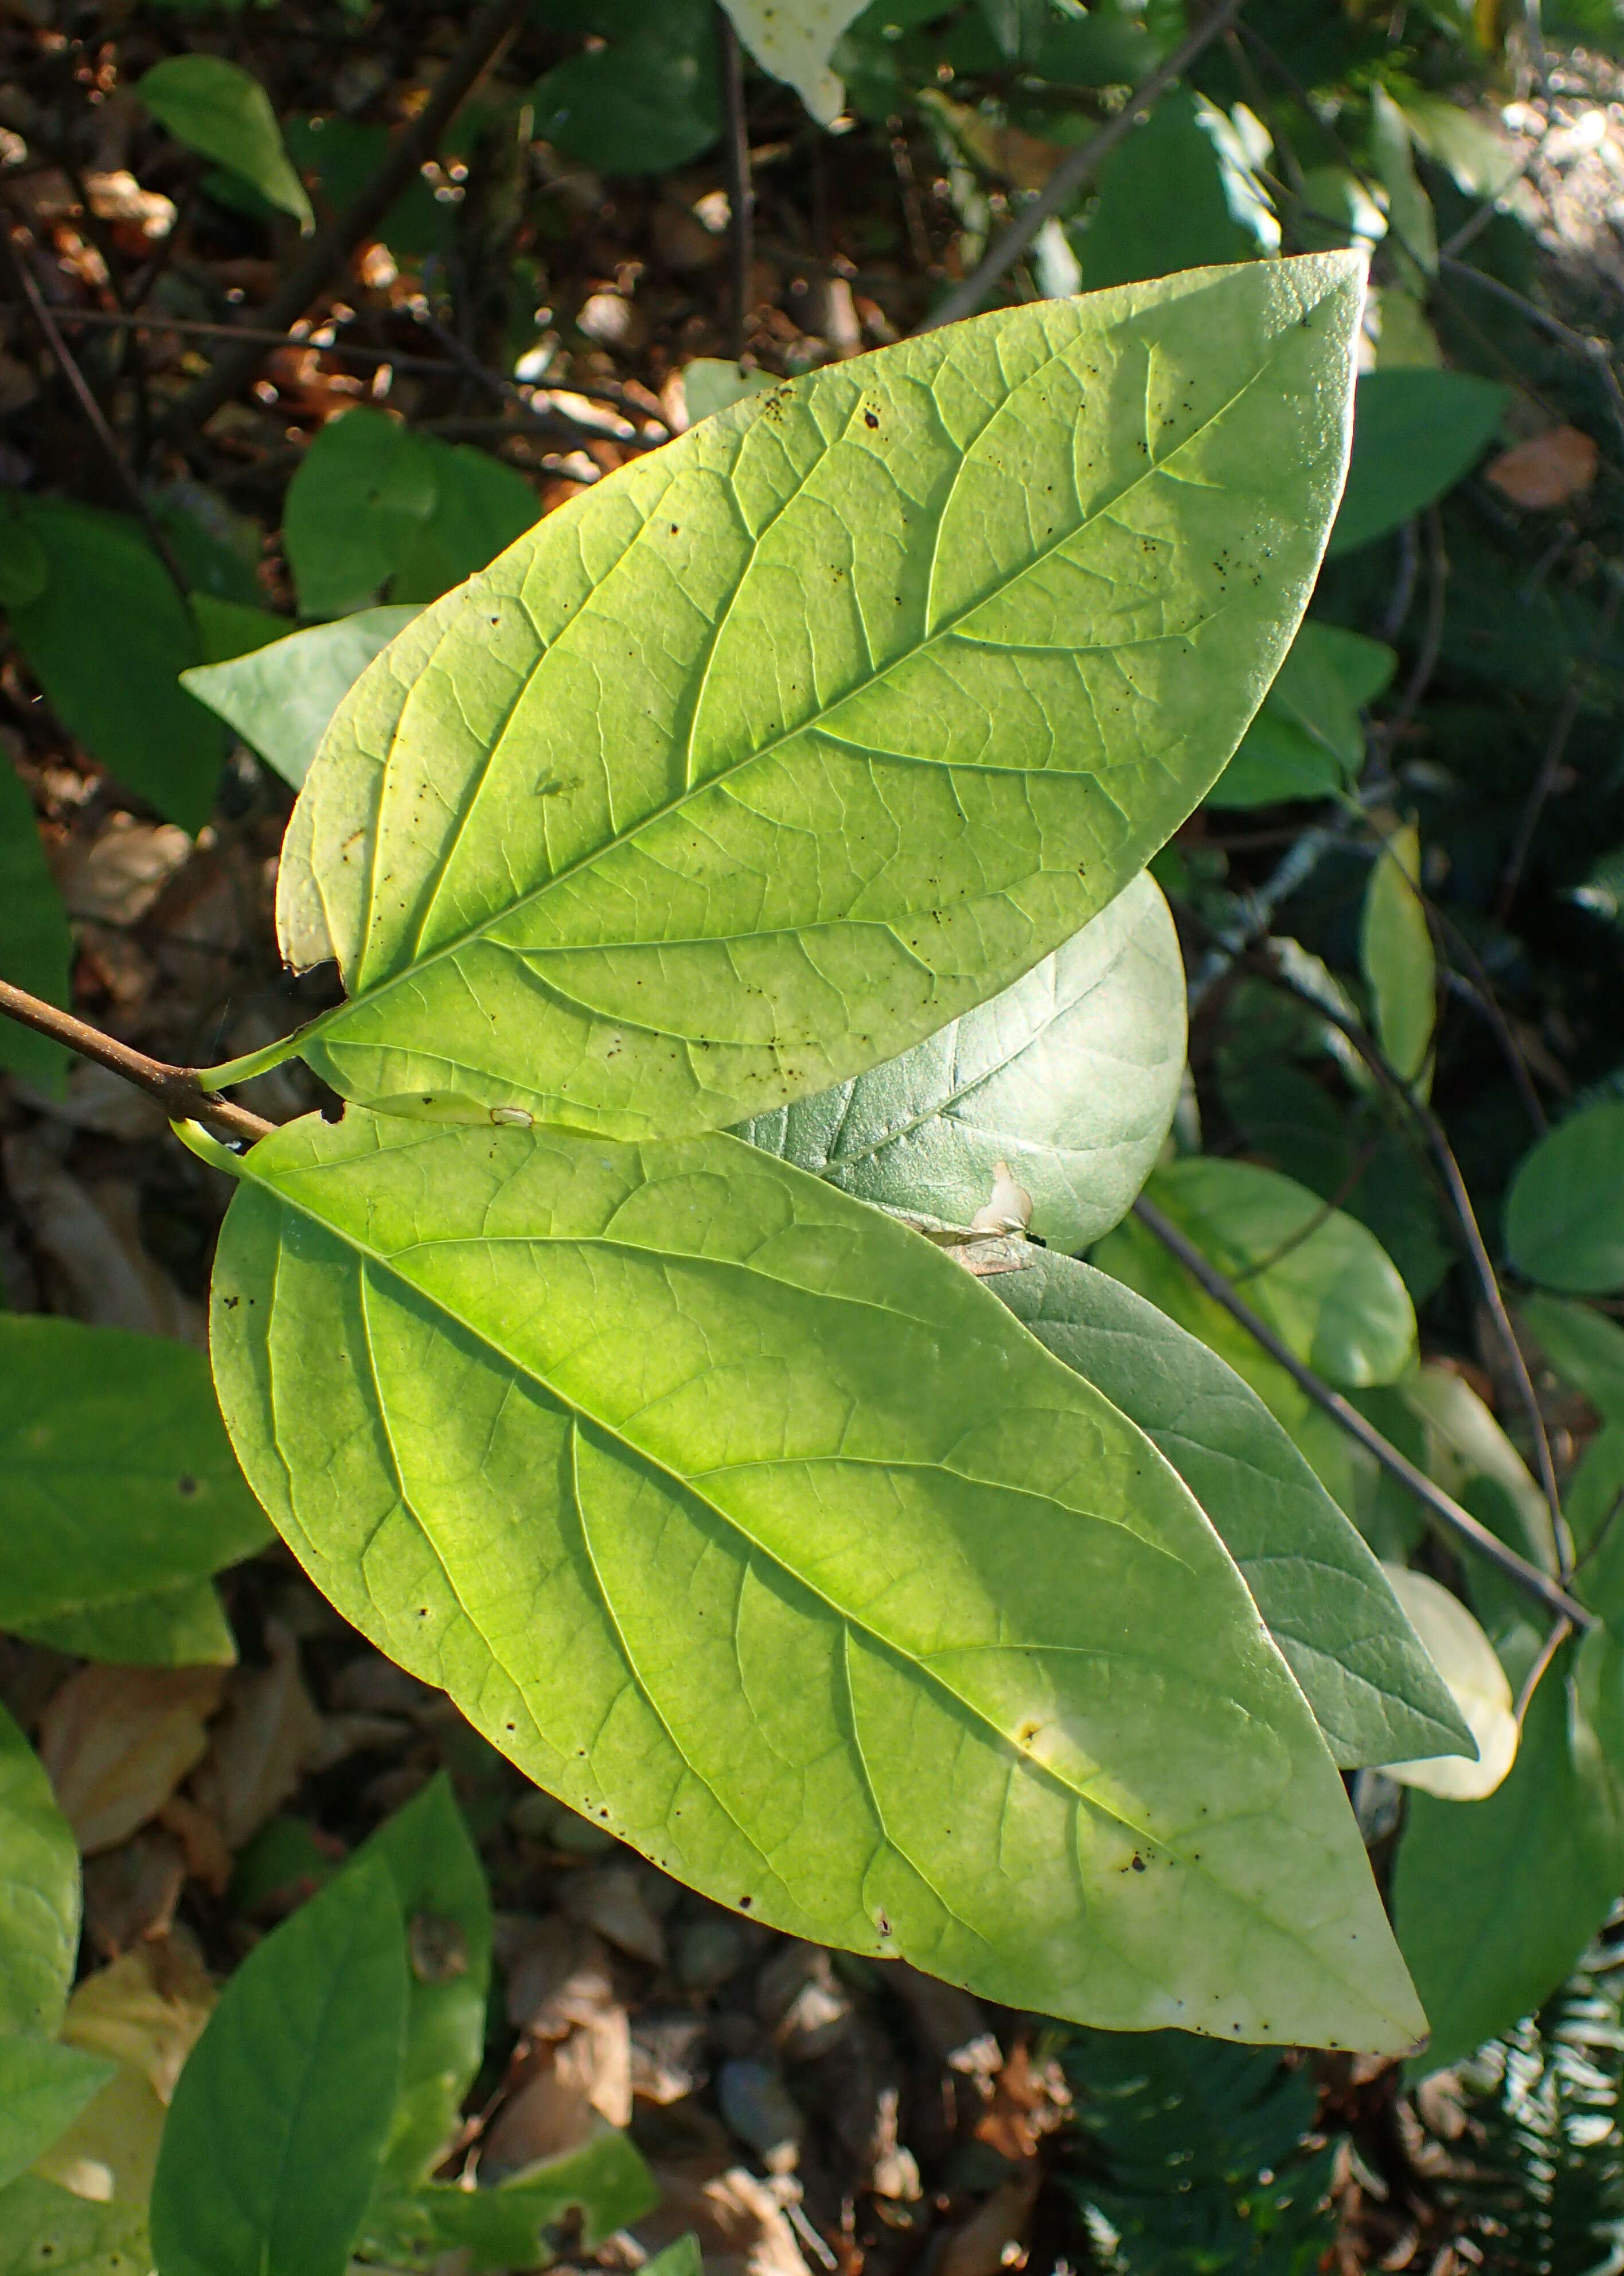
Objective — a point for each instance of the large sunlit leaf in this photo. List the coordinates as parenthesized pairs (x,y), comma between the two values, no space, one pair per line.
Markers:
(39,1891)
(779,747)
(1495,1900)
(122,1494)
(744,1521)
(1565,1212)
(1070,1078)
(281,2114)
(1323,1595)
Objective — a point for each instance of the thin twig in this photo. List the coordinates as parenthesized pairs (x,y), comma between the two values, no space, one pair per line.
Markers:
(735,162)
(331,246)
(1442,1505)
(1551,765)
(106,442)
(1557,1636)
(1461,1201)
(1594,351)
(177,1090)
(1397,724)
(1075,172)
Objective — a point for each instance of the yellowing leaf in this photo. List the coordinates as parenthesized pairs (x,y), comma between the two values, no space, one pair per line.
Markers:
(117,1742)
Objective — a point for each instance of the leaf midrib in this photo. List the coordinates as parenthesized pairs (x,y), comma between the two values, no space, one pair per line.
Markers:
(811,725)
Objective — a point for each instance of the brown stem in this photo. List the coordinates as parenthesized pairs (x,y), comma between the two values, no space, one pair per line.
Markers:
(331,246)
(177,1090)
(1448,1511)
(1075,171)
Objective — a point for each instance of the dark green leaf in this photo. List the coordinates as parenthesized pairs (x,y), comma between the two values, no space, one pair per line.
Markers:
(106,639)
(226,629)
(1179,194)
(481,506)
(280,2117)
(1070,1078)
(217,107)
(39,1891)
(280,697)
(1565,1212)
(1585,1347)
(43,2087)
(770,753)
(745,1523)
(1307,741)
(1495,1900)
(35,945)
(181,1625)
(646,101)
(121,1487)
(1322,1596)
(1416,433)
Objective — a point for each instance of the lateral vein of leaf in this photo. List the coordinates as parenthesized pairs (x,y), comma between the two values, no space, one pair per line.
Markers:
(586,862)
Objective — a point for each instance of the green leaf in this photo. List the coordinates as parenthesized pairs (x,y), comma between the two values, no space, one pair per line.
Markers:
(681,2258)
(280,697)
(216,107)
(43,2087)
(1495,1901)
(1395,954)
(121,1487)
(1322,1596)
(1416,433)
(106,639)
(1594,1508)
(605,2181)
(1179,194)
(782,746)
(1070,1078)
(281,2114)
(646,101)
(1464,1443)
(481,506)
(1321,1281)
(439,1887)
(1585,1347)
(711,385)
(228,629)
(794,45)
(1468,1663)
(1409,209)
(1482,163)
(748,1525)
(181,1625)
(1308,739)
(1565,1212)
(39,1891)
(43,2227)
(25,571)
(35,944)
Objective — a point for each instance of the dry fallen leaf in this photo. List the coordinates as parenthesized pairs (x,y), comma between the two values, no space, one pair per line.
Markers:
(569,2091)
(90,1244)
(117,877)
(993,2238)
(1548,470)
(1028,2101)
(131,1892)
(739,2221)
(610,1899)
(268,1736)
(117,1742)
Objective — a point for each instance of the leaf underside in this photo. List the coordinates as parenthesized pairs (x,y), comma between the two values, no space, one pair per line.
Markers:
(748,1524)
(784,745)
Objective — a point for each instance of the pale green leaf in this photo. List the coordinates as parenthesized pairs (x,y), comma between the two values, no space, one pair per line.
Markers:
(1495,1901)
(1483,164)
(747,1524)
(605,2181)
(1070,1078)
(120,1484)
(183,1625)
(43,2087)
(780,746)
(39,1891)
(1565,1212)
(280,697)
(106,637)
(1468,1663)
(1416,433)
(1320,1280)
(795,44)
(1322,1596)
(35,945)
(1409,209)
(219,109)
(1178,194)
(711,385)
(439,1887)
(1585,1347)
(1465,1441)
(1307,741)
(281,2114)
(44,2227)
(1395,951)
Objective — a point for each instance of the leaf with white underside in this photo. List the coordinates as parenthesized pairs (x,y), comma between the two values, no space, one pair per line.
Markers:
(746,1523)
(1323,1597)
(1469,1665)
(794,40)
(780,746)
(1070,1077)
